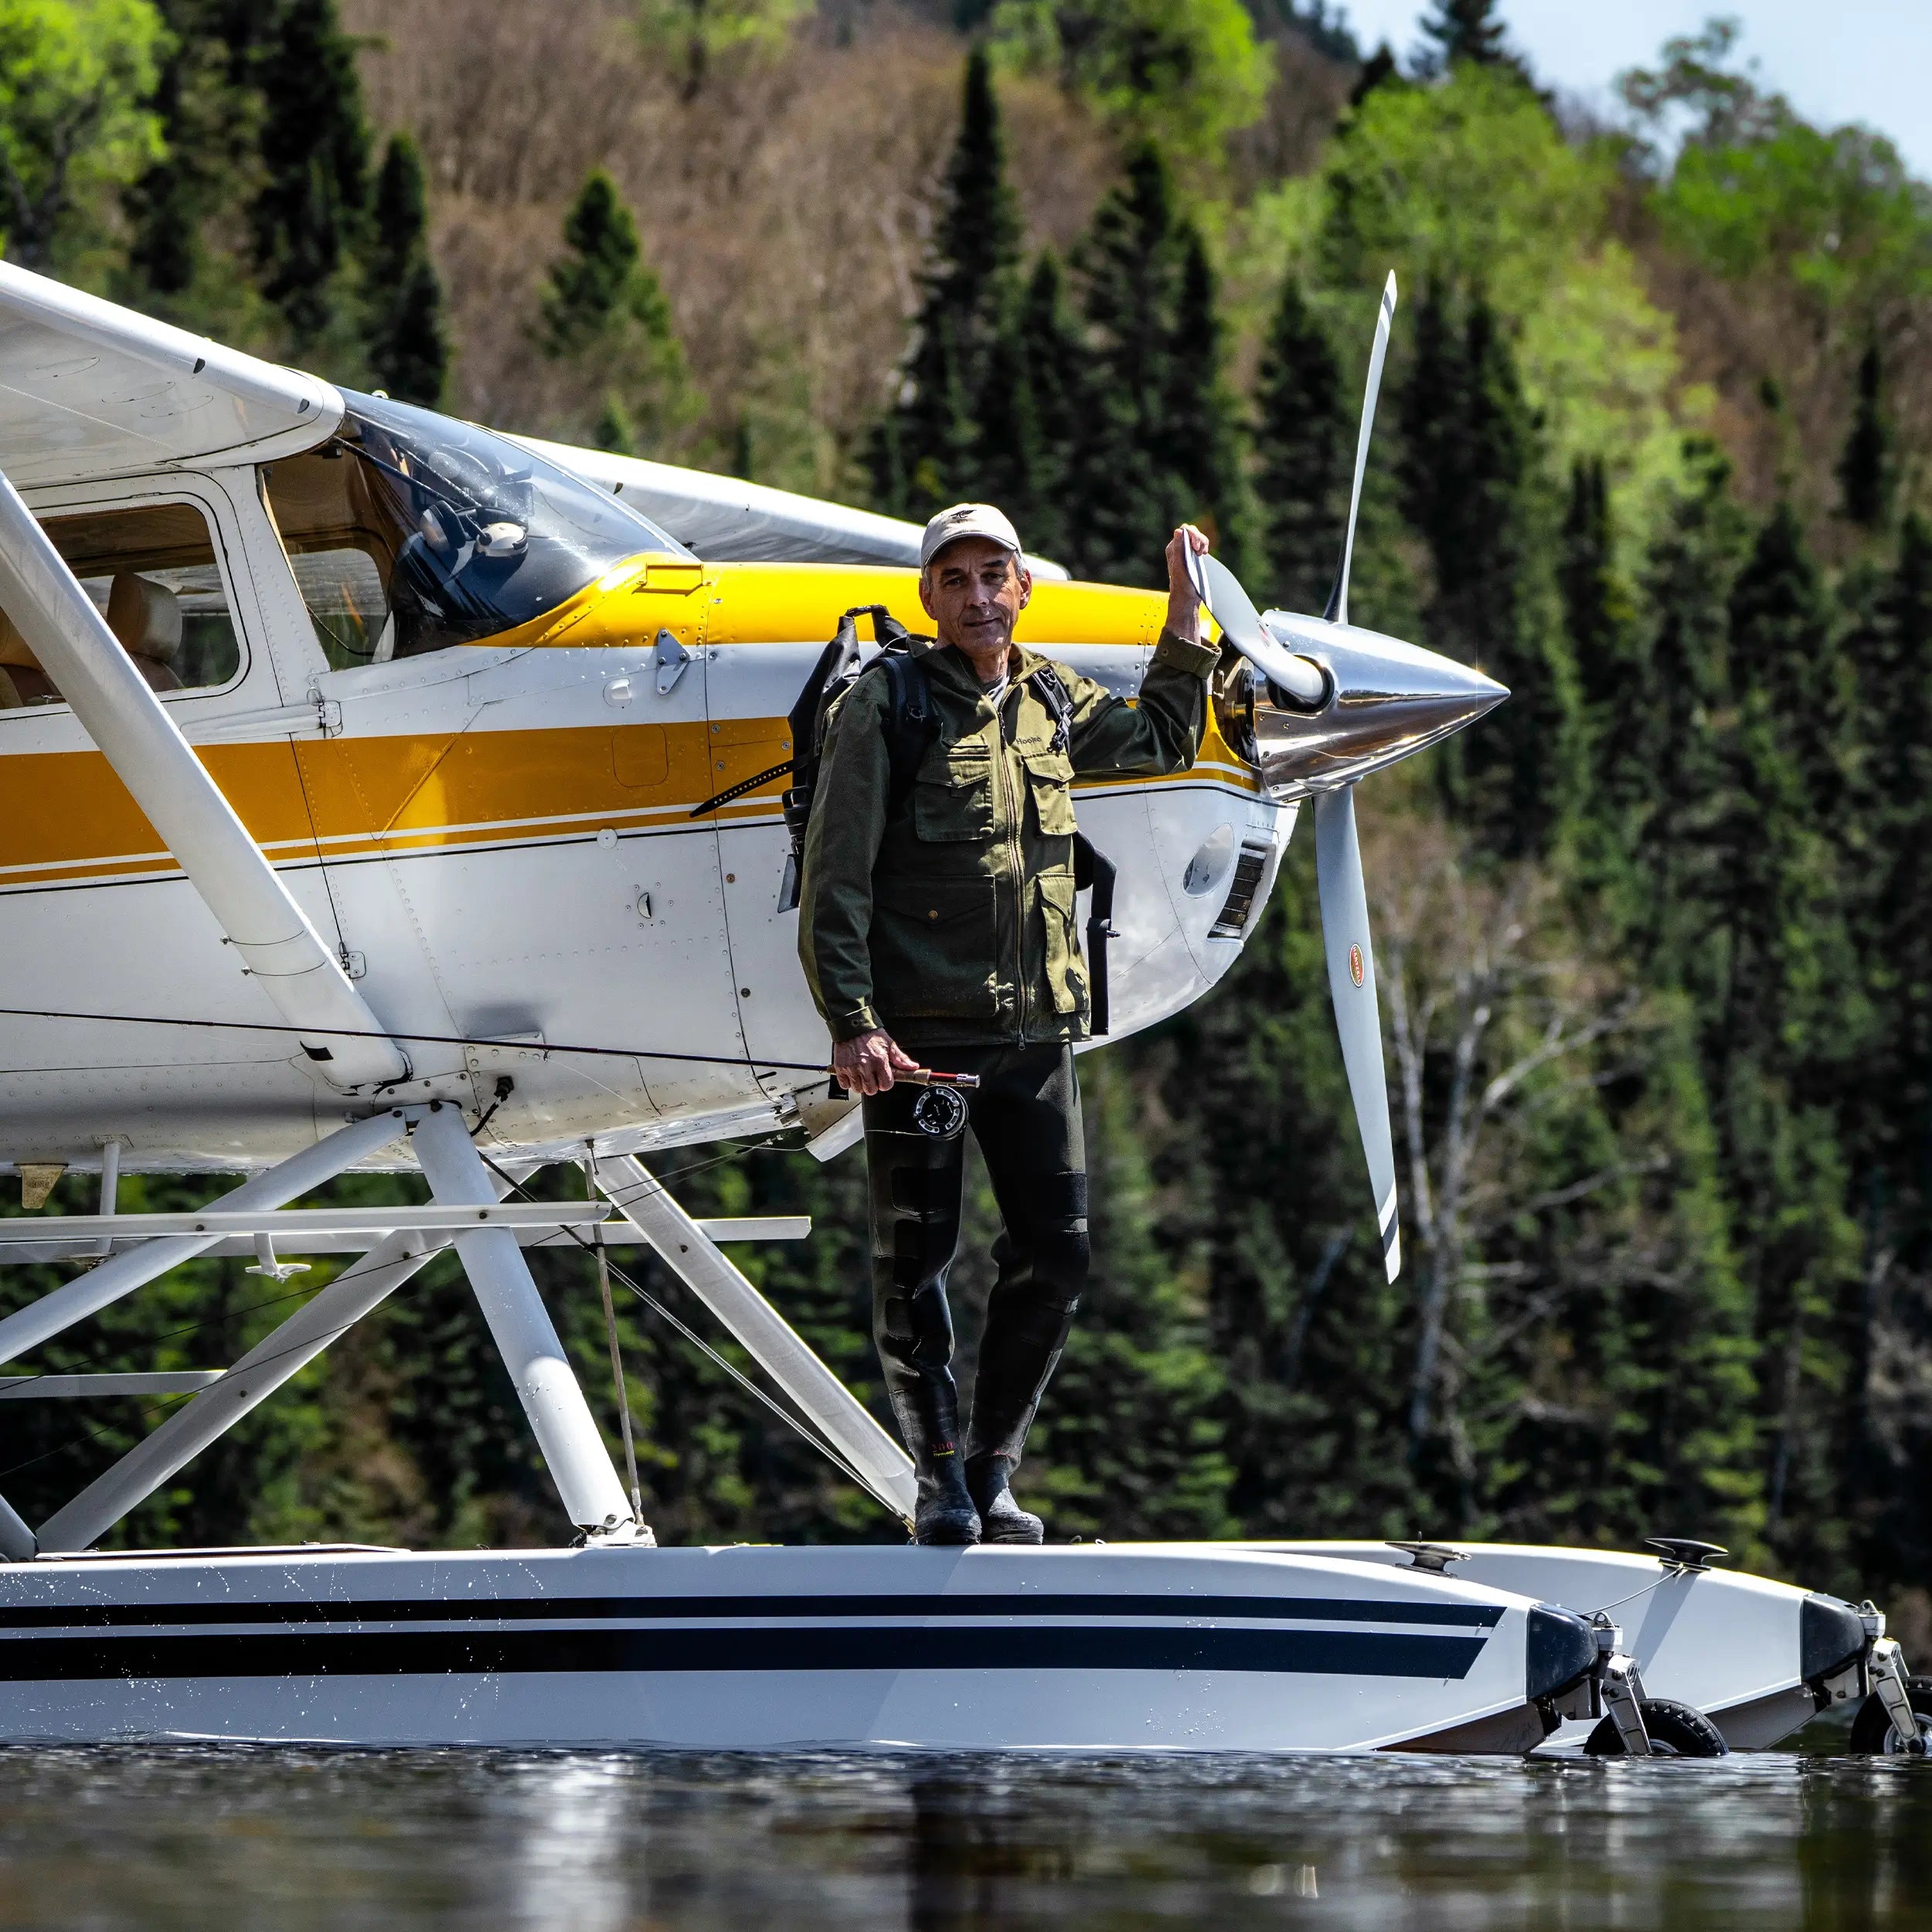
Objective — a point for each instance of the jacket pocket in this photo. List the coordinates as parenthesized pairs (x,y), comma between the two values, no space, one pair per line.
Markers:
(1049,777)
(953,798)
(1066,971)
(934,949)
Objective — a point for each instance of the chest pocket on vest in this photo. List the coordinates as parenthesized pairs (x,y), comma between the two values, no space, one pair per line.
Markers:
(1049,777)
(952,799)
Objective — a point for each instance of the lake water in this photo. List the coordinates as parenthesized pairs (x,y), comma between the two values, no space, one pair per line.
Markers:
(159,1839)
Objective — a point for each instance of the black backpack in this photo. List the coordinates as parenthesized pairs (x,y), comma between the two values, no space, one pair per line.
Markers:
(912,728)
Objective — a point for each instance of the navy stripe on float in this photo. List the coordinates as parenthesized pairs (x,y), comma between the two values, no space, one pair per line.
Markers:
(606,1609)
(799,1647)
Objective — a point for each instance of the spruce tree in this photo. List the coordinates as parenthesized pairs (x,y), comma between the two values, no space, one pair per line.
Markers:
(408,342)
(1664,772)
(1597,611)
(604,314)
(1303,461)
(204,102)
(1787,1024)
(311,212)
(922,457)
(1467,30)
(1032,410)
(1378,70)
(1472,475)
(1126,490)
(1863,470)
(1201,428)
(594,283)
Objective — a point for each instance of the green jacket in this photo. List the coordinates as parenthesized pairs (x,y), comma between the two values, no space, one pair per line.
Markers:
(951,921)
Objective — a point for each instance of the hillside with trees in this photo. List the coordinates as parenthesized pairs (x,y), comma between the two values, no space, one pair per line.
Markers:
(1655,940)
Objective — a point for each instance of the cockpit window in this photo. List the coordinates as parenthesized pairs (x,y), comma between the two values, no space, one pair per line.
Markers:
(410,532)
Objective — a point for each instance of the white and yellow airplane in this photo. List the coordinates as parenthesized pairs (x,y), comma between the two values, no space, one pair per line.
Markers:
(351,759)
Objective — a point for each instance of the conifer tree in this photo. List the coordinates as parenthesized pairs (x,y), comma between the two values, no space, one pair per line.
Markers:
(1471,471)
(604,312)
(1787,1020)
(1378,70)
(922,458)
(1662,765)
(1863,469)
(1031,410)
(408,343)
(1154,382)
(1129,264)
(1597,611)
(311,210)
(1467,30)
(1303,460)
(1202,429)
(204,102)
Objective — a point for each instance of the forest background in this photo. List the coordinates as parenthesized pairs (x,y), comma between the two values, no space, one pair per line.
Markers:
(1655,940)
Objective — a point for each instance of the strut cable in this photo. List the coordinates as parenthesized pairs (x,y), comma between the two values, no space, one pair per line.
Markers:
(808,1435)
(428,1039)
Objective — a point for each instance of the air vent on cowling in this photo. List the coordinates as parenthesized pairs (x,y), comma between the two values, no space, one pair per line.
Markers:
(1248,868)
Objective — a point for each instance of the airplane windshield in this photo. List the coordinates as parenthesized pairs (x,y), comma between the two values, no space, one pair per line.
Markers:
(410,532)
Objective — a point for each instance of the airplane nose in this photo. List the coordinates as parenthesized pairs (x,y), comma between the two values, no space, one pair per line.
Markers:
(1388,700)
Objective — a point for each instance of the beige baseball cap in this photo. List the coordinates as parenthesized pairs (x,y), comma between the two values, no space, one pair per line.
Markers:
(967,519)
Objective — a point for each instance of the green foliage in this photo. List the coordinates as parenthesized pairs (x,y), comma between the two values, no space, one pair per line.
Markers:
(1477,494)
(924,455)
(1158,447)
(1304,459)
(693,35)
(408,343)
(1864,471)
(76,77)
(1834,213)
(208,118)
(1467,30)
(310,214)
(605,314)
(1185,73)
(1656,937)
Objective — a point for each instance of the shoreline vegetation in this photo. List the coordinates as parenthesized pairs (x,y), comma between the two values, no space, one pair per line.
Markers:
(1655,939)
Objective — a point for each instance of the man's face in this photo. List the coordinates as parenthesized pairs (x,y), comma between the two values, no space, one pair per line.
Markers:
(974,591)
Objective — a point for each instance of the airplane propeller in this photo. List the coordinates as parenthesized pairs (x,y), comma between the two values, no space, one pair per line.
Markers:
(1344,896)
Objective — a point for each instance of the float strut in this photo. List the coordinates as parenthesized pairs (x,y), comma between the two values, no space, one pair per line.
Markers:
(545,1384)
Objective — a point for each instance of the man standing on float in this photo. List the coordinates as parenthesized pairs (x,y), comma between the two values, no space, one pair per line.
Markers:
(941,924)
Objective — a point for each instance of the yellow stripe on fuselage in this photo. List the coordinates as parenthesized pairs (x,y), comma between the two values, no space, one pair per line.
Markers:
(65,819)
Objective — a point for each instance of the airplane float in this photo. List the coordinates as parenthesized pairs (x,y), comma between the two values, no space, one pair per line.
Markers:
(378,792)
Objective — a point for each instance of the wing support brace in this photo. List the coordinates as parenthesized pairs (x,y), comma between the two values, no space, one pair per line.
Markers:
(767,1336)
(250,902)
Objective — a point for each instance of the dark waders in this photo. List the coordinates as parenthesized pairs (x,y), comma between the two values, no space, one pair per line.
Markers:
(1026,1115)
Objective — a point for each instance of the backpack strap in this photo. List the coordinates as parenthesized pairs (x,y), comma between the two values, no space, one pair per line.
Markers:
(1092,868)
(1051,687)
(912,723)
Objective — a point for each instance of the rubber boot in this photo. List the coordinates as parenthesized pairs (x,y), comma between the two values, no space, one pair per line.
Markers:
(1002,1520)
(944,1512)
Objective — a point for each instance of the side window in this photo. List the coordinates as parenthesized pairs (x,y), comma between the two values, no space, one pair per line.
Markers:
(342,539)
(151,572)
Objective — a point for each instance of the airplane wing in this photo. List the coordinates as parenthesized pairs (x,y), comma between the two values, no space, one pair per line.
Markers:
(88,389)
(726,520)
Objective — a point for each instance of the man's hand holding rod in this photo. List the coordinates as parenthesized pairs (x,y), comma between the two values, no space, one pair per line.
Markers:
(874,1062)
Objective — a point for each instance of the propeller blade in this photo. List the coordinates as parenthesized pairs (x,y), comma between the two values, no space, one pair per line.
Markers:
(1338,610)
(1231,607)
(1351,986)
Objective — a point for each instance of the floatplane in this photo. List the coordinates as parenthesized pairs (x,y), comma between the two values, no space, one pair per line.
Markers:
(378,793)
